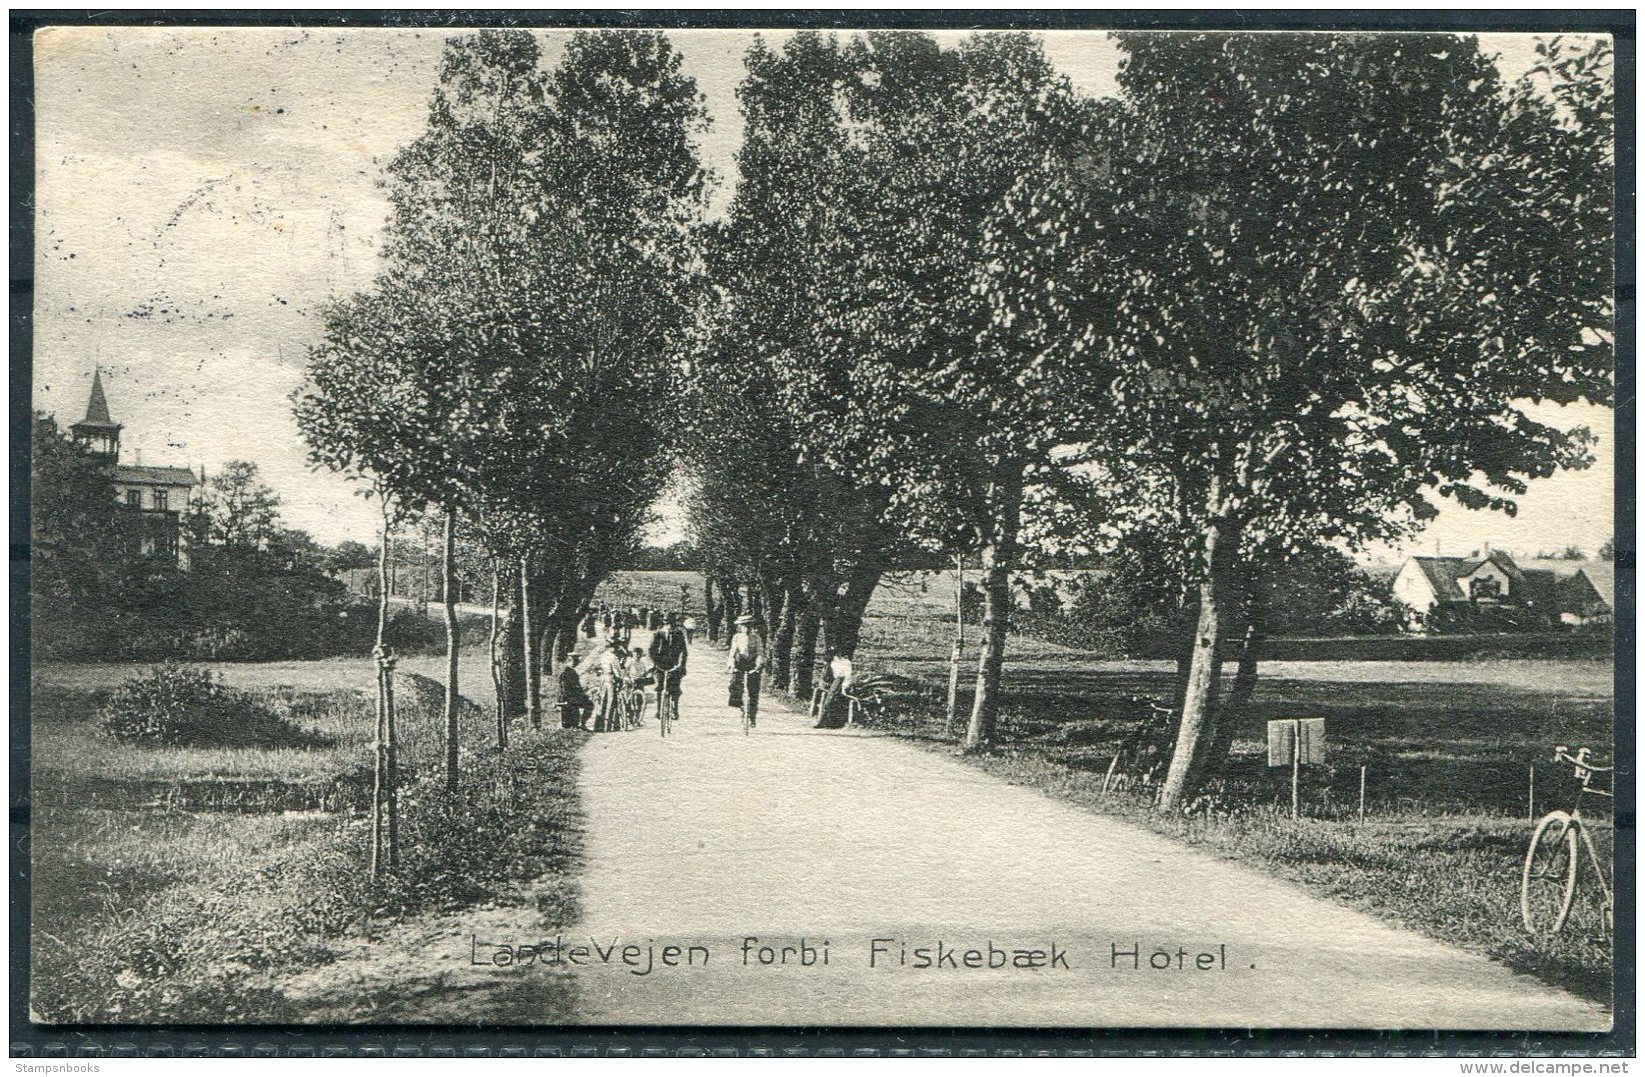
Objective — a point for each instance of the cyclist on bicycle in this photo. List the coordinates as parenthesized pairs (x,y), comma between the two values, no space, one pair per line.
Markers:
(668,654)
(745,663)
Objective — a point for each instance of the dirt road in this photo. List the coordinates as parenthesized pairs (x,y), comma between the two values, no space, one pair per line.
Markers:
(712,838)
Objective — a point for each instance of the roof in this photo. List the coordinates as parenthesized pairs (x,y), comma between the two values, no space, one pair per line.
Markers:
(1442,573)
(1602,575)
(1506,563)
(97,408)
(155,476)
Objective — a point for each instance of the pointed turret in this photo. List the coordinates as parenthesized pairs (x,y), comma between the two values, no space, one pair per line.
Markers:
(97,408)
(98,432)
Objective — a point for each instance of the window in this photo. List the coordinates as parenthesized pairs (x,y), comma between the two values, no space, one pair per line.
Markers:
(134,498)
(160,499)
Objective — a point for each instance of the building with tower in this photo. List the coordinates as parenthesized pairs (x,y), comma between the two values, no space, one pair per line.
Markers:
(155,497)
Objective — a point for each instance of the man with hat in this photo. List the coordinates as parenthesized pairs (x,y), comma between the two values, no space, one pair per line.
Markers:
(745,663)
(668,652)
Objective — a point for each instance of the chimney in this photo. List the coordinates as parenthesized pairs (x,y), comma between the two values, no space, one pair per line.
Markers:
(139,457)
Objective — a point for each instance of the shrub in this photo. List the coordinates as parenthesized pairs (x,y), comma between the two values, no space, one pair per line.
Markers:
(185,705)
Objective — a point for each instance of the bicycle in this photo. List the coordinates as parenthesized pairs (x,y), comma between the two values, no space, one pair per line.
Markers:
(665,707)
(1547,884)
(633,707)
(751,698)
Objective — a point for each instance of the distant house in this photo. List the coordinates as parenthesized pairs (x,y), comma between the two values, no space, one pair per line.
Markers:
(1588,596)
(156,498)
(1489,592)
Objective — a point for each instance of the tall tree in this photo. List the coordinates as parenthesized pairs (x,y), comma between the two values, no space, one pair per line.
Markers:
(237,509)
(1338,263)
(960,377)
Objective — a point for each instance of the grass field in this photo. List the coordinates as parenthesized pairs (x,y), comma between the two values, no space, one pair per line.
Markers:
(179,884)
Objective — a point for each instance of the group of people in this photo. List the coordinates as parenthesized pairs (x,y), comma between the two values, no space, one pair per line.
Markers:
(596,692)
(614,622)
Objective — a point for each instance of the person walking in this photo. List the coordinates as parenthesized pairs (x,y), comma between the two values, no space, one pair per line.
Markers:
(745,662)
(668,654)
(690,626)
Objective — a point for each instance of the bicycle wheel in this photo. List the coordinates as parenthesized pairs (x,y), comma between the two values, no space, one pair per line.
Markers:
(1548,881)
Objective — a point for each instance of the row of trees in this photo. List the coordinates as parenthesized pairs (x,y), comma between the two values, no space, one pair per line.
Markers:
(1284,290)
(1281,291)
(507,368)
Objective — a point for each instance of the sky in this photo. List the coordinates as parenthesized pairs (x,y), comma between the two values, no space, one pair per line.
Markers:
(202,192)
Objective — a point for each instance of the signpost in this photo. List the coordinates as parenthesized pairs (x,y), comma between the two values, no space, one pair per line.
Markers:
(1299,742)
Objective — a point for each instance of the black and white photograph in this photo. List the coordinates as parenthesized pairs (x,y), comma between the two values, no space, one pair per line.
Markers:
(840,527)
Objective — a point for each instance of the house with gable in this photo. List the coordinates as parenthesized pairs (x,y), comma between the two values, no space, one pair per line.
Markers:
(1489,592)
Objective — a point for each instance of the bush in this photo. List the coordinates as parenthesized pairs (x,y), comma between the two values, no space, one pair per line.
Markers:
(185,705)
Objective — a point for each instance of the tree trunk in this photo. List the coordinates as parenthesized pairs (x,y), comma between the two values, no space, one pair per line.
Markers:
(804,659)
(496,658)
(998,558)
(1196,721)
(842,617)
(996,623)
(952,706)
(384,801)
(510,660)
(1236,710)
(711,616)
(528,654)
(565,641)
(782,642)
(730,608)
(448,592)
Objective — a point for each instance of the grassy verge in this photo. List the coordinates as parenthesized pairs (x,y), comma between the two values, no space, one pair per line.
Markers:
(1440,848)
(182,908)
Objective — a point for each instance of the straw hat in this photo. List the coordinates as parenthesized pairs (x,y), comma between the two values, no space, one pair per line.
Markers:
(746,619)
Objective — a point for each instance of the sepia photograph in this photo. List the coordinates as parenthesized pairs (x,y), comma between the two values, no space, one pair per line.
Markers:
(840,527)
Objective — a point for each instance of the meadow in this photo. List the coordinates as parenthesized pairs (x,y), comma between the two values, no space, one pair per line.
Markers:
(182,883)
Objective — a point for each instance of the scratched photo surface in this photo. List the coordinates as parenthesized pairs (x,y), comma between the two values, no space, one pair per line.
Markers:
(849,528)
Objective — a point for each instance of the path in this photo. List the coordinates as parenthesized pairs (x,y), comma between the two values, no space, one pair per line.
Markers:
(842,838)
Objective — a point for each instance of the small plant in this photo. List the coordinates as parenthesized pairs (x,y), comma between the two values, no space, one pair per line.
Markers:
(185,705)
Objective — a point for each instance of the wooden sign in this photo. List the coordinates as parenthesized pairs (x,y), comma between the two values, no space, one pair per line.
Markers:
(1296,741)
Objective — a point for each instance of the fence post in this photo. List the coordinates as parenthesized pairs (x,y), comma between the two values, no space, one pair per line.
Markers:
(1362,794)
(1296,763)
(1530,797)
